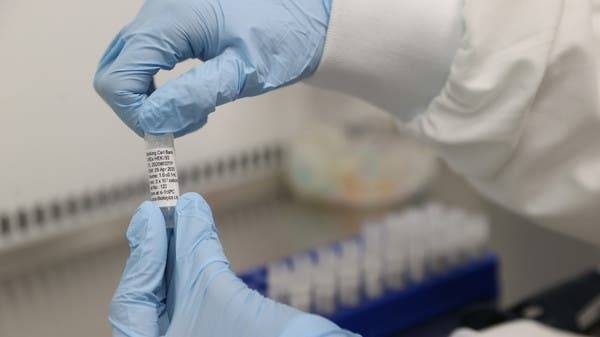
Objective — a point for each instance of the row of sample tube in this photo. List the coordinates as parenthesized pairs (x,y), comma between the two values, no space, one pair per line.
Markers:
(403,249)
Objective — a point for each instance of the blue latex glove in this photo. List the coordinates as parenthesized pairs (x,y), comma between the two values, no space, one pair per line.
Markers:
(205,298)
(249,48)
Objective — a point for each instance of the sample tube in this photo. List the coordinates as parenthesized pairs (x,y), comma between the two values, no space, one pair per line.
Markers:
(301,282)
(279,278)
(348,278)
(372,259)
(323,294)
(162,174)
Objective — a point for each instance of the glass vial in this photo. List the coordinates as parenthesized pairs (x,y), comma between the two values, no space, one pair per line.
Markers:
(162,174)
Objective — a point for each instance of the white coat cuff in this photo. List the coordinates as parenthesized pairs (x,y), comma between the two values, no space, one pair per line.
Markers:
(394,54)
(521,328)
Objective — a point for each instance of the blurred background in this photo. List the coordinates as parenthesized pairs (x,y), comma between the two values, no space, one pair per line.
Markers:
(291,171)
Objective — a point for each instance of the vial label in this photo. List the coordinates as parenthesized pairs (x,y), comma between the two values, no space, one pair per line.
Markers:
(162,176)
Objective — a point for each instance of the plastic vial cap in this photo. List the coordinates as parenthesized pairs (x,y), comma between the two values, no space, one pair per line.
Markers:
(159,141)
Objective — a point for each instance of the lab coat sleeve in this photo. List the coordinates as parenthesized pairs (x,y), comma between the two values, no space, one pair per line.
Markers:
(517,113)
(521,328)
(393,54)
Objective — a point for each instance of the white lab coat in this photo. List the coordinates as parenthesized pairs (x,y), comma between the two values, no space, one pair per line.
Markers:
(506,90)
(515,329)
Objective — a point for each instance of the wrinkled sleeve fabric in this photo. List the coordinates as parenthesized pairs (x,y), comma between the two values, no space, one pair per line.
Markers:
(517,112)
(393,54)
(520,328)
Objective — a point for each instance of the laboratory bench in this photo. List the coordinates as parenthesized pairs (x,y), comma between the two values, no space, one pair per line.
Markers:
(60,281)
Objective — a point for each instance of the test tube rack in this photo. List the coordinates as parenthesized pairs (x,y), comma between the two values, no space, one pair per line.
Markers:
(396,310)
(412,266)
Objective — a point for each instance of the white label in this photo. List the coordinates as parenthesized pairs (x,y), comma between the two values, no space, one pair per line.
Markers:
(162,176)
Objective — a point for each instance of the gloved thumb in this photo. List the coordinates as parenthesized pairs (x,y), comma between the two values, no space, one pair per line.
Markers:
(182,105)
(197,237)
(138,302)
(197,245)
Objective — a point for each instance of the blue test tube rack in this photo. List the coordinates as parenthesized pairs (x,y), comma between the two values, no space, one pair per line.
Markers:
(471,282)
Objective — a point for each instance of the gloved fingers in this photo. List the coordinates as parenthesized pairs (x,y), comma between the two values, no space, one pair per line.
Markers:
(193,250)
(305,325)
(182,105)
(125,76)
(112,51)
(196,239)
(139,300)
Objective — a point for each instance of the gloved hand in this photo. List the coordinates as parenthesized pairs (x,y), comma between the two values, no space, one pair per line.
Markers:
(249,48)
(205,298)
